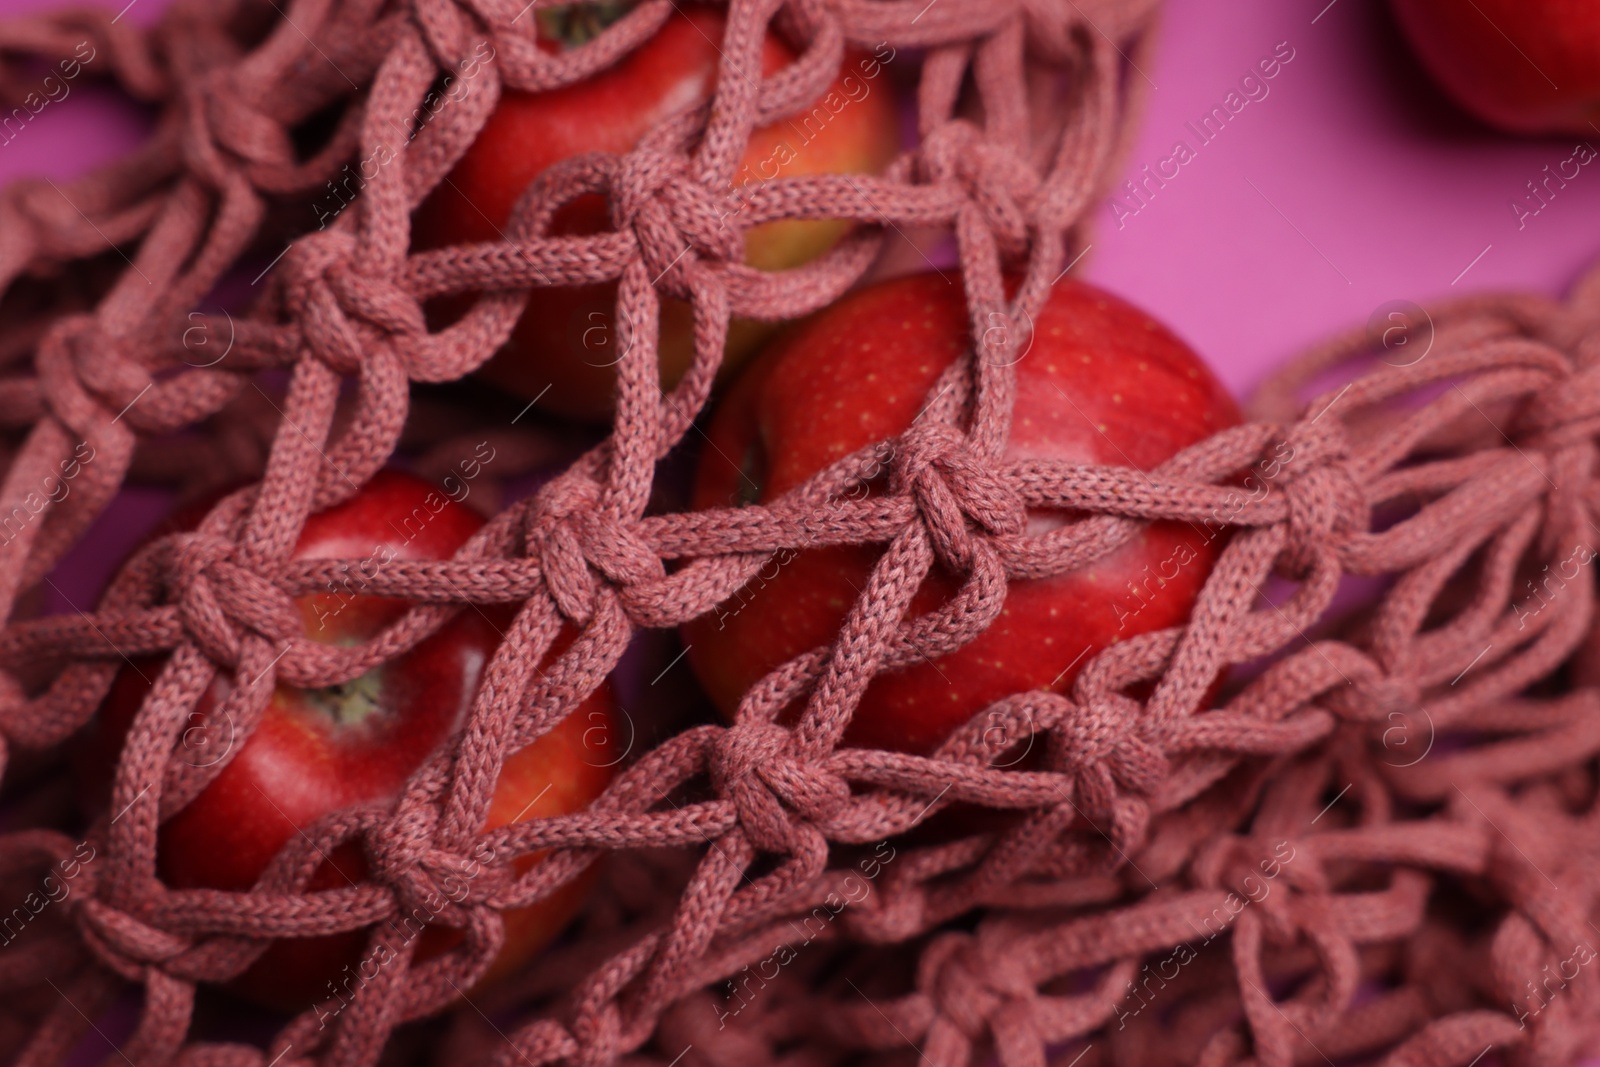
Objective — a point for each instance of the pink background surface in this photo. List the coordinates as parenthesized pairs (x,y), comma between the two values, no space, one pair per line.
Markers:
(1354,148)
(1353,183)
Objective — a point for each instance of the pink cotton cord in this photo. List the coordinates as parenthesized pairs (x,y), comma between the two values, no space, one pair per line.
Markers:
(1416,753)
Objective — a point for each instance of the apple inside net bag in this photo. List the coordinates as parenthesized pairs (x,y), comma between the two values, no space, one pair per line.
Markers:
(1241,825)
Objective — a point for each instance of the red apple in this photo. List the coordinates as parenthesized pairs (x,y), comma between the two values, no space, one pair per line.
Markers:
(1527,66)
(1102,383)
(317,751)
(566,340)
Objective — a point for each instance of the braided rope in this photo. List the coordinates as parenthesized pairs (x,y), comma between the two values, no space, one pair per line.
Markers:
(1453,869)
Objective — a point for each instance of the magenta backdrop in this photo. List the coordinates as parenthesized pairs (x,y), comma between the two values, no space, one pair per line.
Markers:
(1349,184)
(1352,183)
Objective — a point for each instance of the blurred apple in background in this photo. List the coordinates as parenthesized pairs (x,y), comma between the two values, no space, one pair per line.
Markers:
(567,339)
(1525,66)
(1101,383)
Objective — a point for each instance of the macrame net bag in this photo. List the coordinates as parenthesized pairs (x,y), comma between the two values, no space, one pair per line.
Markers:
(1403,753)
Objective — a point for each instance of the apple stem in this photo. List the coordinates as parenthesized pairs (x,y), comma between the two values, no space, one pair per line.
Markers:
(572,25)
(349,703)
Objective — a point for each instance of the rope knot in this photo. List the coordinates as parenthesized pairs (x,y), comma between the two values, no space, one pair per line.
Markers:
(990,174)
(87,378)
(1099,745)
(1251,869)
(428,883)
(744,748)
(671,215)
(105,371)
(1565,411)
(395,846)
(553,539)
(754,765)
(579,544)
(955,493)
(616,551)
(344,314)
(1322,495)
(953,978)
(221,602)
(223,117)
(1392,703)
(377,305)
(126,945)
(979,986)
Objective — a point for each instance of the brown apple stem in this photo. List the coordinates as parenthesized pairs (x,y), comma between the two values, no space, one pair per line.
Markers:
(572,25)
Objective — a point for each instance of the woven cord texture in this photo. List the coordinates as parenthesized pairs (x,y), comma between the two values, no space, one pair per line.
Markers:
(1413,779)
